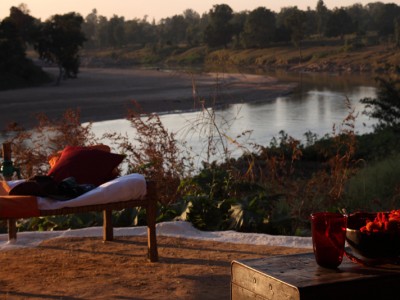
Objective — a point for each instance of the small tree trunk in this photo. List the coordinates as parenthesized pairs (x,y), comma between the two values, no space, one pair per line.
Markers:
(300,53)
(60,74)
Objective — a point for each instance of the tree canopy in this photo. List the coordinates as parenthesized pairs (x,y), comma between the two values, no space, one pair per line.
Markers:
(219,31)
(259,28)
(16,70)
(60,41)
(222,27)
(60,38)
(57,40)
(339,23)
(386,106)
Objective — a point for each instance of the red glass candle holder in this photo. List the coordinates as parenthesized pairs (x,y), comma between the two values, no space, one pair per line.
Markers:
(328,236)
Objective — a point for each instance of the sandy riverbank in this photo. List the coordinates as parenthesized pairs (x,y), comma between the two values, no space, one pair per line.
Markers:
(105,94)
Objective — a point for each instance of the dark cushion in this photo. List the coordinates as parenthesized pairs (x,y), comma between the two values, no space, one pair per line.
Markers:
(86,165)
(39,185)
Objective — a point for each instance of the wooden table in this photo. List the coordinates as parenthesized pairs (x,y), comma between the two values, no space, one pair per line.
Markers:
(298,277)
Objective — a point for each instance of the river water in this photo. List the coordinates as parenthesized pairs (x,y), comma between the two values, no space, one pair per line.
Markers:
(316,105)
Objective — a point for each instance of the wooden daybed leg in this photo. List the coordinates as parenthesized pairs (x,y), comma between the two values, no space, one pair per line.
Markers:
(151,214)
(12,229)
(108,231)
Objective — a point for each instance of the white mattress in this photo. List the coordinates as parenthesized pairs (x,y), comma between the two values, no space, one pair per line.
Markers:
(124,188)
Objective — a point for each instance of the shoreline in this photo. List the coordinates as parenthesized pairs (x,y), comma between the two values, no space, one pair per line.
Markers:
(106,94)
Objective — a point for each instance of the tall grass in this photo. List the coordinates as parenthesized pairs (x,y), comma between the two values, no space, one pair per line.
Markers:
(375,187)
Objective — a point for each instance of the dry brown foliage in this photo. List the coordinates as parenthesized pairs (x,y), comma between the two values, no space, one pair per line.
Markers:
(32,148)
(154,152)
(281,171)
(324,190)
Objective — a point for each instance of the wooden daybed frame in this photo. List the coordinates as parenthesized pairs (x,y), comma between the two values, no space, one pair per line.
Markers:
(149,202)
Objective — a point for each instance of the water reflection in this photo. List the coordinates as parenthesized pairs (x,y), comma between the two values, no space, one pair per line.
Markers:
(316,111)
(318,104)
(344,83)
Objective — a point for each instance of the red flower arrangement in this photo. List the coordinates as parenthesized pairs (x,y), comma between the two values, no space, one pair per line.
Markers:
(383,222)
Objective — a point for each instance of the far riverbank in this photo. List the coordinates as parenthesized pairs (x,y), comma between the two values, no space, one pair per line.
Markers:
(106,94)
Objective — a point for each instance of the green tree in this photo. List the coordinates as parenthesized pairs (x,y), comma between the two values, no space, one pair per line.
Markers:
(295,20)
(26,25)
(60,40)
(179,25)
(339,24)
(397,32)
(311,22)
(219,31)
(148,32)
(386,106)
(322,13)
(133,31)
(16,70)
(384,16)
(140,31)
(90,27)
(116,31)
(193,29)
(375,11)
(102,36)
(238,20)
(173,30)
(259,29)
(360,17)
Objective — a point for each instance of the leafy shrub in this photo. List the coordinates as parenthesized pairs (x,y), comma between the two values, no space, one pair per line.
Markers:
(206,213)
(254,213)
(378,145)
(207,196)
(376,187)
(386,106)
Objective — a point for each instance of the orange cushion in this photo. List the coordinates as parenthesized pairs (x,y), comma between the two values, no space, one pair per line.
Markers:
(87,165)
(55,157)
(18,207)
(4,188)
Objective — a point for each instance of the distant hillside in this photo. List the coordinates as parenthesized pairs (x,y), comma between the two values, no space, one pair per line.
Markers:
(310,58)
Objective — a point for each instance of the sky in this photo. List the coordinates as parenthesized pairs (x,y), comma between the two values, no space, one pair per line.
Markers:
(158,9)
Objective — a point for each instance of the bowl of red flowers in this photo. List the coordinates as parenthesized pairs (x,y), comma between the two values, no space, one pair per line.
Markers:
(374,235)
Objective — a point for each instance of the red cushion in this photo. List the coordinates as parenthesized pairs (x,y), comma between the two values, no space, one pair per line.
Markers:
(86,165)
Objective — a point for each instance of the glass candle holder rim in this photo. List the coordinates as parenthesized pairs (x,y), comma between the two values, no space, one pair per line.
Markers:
(327,213)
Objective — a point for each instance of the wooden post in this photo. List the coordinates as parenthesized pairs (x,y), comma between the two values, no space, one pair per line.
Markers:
(6,151)
(11,223)
(12,229)
(151,213)
(5,166)
(108,231)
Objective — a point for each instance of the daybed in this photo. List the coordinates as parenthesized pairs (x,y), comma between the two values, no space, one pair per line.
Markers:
(122,192)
